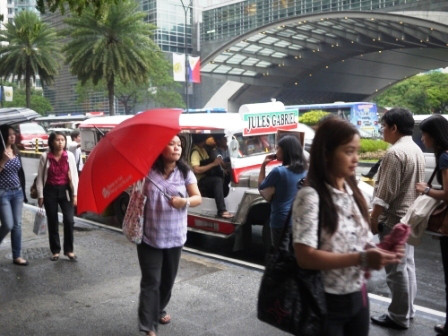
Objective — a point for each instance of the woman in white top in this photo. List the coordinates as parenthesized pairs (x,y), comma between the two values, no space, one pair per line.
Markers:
(345,250)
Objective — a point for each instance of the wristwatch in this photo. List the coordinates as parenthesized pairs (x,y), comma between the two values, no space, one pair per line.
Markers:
(426,191)
(187,204)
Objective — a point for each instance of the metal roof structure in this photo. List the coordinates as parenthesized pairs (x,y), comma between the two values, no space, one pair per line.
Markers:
(354,53)
(15,115)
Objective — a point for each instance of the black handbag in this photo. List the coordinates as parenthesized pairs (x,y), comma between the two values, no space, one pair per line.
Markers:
(291,298)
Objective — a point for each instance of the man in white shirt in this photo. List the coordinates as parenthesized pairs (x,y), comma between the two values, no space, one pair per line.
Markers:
(75,148)
(402,167)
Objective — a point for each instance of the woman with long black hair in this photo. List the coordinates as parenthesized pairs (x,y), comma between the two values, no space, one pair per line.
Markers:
(343,249)
(57,186)
(12,193)
(280,186)
(171,187)
(435,136)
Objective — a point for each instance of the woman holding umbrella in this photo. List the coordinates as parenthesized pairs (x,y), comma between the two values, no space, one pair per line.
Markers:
(12,192)
(171,187)
(57,185)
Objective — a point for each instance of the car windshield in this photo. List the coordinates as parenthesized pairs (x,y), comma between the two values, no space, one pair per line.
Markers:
(252,145)
(32,129)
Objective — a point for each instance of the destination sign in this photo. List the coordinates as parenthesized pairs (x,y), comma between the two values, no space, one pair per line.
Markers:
(270,122)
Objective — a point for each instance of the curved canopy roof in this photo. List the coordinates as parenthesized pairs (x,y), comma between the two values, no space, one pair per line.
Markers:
(347,52)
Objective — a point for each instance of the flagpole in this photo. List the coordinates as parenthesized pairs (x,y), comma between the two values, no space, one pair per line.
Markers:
(187,103)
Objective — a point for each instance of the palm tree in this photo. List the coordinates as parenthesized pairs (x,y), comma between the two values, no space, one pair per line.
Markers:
(117,45)
(31,50)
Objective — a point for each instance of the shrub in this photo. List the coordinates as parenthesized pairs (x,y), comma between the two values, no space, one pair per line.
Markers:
(311,118)
(373,145)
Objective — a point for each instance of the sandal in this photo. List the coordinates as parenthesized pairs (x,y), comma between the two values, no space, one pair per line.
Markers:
(20,261)
(54,257)
(164,318)
(71,256)
(225,214)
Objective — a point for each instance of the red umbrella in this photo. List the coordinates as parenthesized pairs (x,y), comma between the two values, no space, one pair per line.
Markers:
(124,156)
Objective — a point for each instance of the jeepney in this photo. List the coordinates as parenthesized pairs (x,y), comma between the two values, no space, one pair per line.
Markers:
(251,135)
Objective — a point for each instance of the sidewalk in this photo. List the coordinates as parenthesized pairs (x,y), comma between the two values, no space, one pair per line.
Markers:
(98,295)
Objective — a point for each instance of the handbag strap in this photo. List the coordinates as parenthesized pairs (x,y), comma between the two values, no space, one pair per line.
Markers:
(285,229)
(162,186)
(432,176)
(45,169)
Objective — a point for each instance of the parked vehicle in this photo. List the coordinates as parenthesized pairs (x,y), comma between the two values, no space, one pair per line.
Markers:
(31,135)
(66,121)
(250,137)
(364,115)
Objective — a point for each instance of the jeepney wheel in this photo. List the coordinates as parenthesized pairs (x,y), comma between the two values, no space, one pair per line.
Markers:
(120,206)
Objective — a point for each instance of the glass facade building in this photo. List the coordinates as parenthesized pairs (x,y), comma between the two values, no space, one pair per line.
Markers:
(235,19)
(172,26)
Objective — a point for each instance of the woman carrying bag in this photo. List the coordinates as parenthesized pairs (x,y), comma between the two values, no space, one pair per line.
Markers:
(435,137)
(171,187)
(57,185)
(332,199)
(12,194)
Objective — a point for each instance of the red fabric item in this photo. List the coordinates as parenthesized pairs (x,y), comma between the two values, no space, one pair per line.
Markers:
(398,236)
(124,156)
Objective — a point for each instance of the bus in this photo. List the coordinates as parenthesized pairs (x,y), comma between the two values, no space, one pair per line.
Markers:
(364,115)
(67,121)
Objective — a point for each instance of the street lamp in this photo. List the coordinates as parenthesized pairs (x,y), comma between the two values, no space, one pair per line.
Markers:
(186,7)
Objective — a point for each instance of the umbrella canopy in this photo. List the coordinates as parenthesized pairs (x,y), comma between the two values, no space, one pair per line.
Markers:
(15,115)
(124,156)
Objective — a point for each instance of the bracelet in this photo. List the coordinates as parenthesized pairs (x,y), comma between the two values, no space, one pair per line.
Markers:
(363,259)
(426,191)
(187,203)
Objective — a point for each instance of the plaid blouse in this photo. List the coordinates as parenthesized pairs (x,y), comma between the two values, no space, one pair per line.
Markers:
(165,226)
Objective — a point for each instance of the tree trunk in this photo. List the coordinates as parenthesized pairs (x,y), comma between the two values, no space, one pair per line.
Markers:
(28,86)
(111,91)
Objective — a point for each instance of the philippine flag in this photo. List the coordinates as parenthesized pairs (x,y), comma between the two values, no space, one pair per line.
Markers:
(194,69)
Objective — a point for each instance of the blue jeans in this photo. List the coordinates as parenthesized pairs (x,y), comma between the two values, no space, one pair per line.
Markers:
(11,205)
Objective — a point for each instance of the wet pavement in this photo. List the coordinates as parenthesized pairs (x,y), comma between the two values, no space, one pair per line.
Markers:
(98,294)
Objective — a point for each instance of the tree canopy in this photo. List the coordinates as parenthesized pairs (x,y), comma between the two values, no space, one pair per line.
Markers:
(31,49)
(421,94)
(75,6)
(116,47)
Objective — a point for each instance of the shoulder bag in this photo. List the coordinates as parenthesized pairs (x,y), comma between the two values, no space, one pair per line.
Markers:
(426,214)
(438,220)
(291,298)
(33,188)
(134,217)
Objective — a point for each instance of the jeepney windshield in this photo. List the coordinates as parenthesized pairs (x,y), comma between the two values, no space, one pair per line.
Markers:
(243,146)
